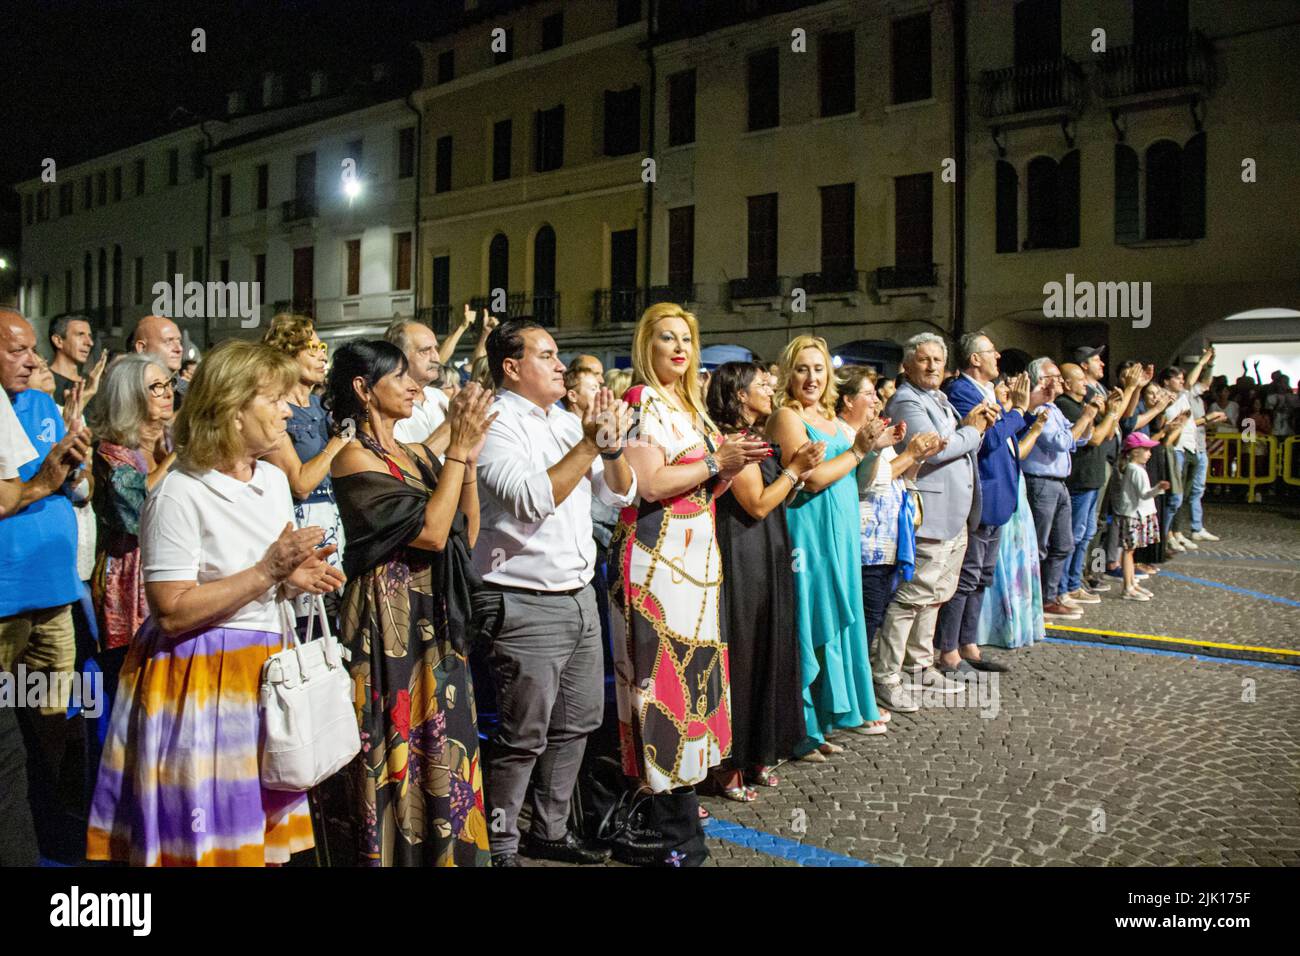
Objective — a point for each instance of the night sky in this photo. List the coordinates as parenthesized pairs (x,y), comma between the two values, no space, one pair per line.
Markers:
(80,78)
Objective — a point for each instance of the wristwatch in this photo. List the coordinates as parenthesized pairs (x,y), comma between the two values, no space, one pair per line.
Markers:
(712,464)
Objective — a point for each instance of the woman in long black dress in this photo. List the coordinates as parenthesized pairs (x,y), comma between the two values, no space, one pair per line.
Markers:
(757,598)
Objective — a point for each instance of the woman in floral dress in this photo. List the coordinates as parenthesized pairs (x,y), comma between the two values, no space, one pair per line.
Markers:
(669,659)
(415,792)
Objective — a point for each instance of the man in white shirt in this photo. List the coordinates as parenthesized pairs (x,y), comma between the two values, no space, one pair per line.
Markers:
(428,422)
(537,472)
(1189,452)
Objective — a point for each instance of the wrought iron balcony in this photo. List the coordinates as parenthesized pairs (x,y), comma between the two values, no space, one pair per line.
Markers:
(824,283)
(517,304)
(617,306)
(296,210)
(546,309)
(1167,64)
(916,276)
(1053,86)
(761,287)
(436,317)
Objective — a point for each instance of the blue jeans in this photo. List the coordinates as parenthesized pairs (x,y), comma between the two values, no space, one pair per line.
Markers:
(1083,523)
(1174,501)
(1198,466)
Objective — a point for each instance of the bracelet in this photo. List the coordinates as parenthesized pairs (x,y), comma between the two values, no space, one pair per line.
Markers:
(787,473)
(858,455)
(469,481)
(461,460)
(612,456)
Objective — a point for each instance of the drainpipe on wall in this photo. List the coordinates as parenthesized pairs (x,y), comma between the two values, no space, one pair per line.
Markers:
(419,232)
(959,123)
(207,235)
(652,14)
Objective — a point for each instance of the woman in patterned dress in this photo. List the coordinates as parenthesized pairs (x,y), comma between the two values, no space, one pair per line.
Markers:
(669,659)
(414,795)
(129,419)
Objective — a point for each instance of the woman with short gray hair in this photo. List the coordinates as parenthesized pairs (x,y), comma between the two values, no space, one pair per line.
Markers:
(129,417)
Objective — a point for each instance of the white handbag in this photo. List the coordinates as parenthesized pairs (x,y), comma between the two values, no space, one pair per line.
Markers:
(309,725)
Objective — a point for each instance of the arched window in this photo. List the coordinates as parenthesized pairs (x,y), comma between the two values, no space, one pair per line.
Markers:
(1164,190)
(545,300)
(498,264)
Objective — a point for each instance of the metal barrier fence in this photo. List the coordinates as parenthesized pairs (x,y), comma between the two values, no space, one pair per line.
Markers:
(1289,458)
(1246,459)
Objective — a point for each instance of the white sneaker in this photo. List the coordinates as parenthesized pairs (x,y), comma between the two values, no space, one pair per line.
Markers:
(1172,545)
(1147,592)
(1204,535)
(1187,542)
(1136,595)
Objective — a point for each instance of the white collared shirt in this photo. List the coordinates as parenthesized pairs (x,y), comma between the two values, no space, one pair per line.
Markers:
(209,526)
(425,417)
(990,394)
(525,540)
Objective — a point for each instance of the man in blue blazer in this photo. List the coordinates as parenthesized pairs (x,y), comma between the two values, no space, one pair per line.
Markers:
(999,480)
(949,487)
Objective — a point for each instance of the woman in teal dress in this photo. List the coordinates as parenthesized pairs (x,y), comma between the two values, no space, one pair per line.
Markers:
(824,534)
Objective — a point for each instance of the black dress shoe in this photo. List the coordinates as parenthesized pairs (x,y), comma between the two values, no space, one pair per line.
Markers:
(505,859)
(983,665)
(567,849)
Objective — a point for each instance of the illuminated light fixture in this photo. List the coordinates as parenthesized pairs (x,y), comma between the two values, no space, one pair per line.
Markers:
(351,187)
(837,361)
(4,264)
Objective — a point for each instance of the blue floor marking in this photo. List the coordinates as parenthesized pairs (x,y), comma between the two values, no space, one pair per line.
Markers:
(773,845)
(1228,587)
(1162,653)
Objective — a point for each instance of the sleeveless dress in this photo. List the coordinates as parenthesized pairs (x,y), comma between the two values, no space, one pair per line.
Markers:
(824,533)
(759,630)
(669,660)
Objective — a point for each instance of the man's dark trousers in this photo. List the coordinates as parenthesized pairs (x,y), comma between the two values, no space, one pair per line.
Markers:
(548,668)
(959,619)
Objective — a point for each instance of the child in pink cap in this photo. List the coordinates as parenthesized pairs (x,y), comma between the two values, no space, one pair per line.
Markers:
(1139,524)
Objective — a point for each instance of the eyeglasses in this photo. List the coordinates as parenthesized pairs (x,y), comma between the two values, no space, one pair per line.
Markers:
(318,347)
(159,389)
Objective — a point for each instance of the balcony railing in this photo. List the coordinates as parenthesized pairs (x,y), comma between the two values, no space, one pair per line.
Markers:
(917,276)
(436,317)
(296,210)
(546,309)
(517,305)
(1048,85)
(760,287)
(1169,63)
(617,306)
(824,283)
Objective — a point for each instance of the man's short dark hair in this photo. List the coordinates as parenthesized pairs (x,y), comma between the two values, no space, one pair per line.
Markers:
(59,324)
(1167,373)
(506,342)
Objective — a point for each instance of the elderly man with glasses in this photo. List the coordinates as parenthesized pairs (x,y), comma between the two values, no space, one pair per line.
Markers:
(1046,469)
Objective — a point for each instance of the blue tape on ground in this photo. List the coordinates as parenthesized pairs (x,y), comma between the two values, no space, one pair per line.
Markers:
(1209,658)
(1228,587)
(773,845)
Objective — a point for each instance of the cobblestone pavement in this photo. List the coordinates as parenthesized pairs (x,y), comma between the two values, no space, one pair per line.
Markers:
(1087,754)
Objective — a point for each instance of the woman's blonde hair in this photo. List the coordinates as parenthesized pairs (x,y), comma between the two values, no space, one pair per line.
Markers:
(830,396)
(688,386)
(618,381)
(290,332)
(231,376)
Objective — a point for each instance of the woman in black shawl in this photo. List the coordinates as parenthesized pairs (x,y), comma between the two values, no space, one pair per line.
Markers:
(415,792)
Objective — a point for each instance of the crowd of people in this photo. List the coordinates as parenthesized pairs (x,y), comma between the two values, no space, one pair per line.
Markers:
(764,556)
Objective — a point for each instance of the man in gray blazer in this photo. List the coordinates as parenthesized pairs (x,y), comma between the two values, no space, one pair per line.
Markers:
(949,487)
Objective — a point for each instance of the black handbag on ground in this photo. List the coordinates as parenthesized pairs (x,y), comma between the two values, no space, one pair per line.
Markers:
(640,827)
